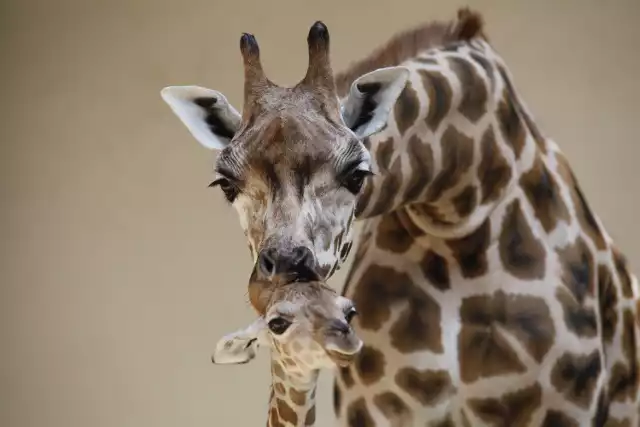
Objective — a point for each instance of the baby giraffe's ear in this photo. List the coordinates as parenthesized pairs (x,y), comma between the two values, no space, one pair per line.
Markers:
(239,346)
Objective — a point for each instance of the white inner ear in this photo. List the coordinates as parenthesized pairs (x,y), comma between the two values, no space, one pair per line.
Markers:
(194,117)
(240,346)
(393,80)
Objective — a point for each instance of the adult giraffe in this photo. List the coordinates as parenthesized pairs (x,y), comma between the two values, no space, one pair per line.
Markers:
(488,291)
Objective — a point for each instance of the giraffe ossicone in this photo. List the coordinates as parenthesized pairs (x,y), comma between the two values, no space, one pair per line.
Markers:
(306,327)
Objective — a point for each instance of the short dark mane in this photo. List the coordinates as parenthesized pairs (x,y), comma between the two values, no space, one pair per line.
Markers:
(409,43)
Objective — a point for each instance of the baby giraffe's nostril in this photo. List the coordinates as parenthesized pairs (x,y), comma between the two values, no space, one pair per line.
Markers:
(340,327)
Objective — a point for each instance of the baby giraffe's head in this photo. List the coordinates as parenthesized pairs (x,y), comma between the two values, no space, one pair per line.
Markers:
(306,325)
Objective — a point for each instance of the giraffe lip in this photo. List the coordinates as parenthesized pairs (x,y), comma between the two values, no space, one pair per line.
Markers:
(340,358)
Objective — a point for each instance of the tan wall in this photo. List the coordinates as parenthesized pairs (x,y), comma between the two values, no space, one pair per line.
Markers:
(120,269)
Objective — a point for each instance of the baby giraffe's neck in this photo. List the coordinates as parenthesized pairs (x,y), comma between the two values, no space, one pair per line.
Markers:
(293,395)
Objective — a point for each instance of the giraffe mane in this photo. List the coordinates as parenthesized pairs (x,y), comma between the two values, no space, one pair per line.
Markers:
(407,44)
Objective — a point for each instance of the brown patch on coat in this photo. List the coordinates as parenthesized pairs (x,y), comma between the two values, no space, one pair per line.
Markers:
(585,216)
(408,224)
(624,275)
(409,43)
(457,158)
(393,408)
(465,202)
(471,251)
(427,387)
(445,422)
(420,157)
(297,397)
(513,409)
(620,385)
(277,370)
(575,376)
(273,418)
(543,194)
(608,303)
(382,151)
(279,389)
(346,376)
(358,414)
(440,97)
(556,418)
(406,108)
(526,116)
(578,269)
(436,270)
(287,414)
(310,419)
(615,422)
(602,409)
(369,365)
(494,172)
(511,125)
(392,236)
(473,104)
(629,347)
(521,252)
(579,318)
(484,350)
(418,327)
(388,189)
(623,383)
(488,68)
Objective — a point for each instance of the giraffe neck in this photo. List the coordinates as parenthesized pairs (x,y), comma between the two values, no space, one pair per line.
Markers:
(459,139)
(293,395)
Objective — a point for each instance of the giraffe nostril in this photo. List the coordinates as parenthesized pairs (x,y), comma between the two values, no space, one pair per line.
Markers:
(267,262)
(302,255)
(340,327)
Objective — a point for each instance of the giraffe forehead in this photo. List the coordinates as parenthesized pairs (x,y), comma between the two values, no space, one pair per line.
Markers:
(295,144)
(306,299)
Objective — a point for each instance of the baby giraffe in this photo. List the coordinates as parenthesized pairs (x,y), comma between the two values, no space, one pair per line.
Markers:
(307,327)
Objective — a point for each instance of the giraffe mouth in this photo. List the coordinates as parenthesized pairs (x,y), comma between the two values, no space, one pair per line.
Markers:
(341,359)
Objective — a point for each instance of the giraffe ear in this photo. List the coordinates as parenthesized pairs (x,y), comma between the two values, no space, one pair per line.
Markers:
(240,346)
(371,98)
(205,112)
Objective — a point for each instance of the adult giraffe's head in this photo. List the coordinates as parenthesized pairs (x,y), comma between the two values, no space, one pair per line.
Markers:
(293,163)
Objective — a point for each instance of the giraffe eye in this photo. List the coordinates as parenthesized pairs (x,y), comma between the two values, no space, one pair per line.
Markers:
(229,189)
(279,325)
(354,180)
(350,314)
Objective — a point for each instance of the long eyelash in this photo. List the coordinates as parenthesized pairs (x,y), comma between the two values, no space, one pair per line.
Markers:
(215,183)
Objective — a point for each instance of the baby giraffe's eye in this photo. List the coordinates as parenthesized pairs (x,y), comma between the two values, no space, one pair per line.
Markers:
(351,313)
(279,325)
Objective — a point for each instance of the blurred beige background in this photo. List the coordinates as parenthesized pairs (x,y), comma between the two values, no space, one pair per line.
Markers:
(120,268)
